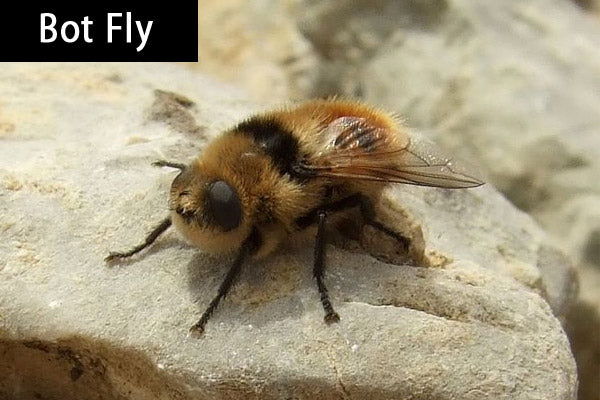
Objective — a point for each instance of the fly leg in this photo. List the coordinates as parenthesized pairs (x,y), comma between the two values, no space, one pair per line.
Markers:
(319,269)
(152,236)
(320,217)
(249,246)
(156,232)
(368,213)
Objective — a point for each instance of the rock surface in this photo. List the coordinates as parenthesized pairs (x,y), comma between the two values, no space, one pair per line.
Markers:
(76,182)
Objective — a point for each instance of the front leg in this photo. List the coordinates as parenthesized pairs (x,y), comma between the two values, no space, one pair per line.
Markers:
(249,247)
(156,232)
(163,163)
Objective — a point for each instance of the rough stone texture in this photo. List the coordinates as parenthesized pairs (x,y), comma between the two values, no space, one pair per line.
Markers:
(76,182)
(511,85)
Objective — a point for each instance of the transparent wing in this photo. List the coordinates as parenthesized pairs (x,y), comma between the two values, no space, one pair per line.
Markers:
(356,149)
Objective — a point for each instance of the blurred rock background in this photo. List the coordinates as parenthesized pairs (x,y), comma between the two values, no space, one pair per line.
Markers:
(512,86)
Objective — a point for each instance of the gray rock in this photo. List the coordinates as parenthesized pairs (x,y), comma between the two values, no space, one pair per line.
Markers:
(469,319)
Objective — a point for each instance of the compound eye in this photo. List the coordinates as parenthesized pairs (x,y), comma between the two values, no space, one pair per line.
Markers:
(224,205)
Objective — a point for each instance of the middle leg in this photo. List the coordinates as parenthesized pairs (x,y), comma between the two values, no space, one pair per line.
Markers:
(319,270)
(320,215)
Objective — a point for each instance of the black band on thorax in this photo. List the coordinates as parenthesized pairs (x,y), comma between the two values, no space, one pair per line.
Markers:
(278,143)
